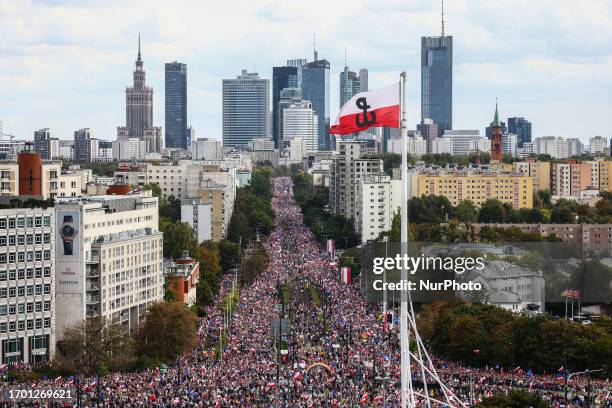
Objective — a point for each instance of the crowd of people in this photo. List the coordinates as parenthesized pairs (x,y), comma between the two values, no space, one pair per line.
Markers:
(333,351)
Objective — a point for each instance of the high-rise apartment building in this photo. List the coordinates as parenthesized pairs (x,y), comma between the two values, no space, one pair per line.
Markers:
(46,144)
(282,78)
(315,88)
(85,146)
(556,147)
(347,169)
(429,131)
(521,127)
(177,135)
(437,81)
(598,144)
(27,285)
(539,172)
(378,200)
(509,143)
(109,259)
(246,109)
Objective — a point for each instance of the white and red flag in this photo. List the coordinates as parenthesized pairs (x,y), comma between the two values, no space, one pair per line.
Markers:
(345,274)
(380,107)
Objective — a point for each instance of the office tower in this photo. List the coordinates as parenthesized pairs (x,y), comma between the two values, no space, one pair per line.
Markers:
(85,146)
(437,81)
(297,119)
(349,85)
(27,311)
(489,130)
(176,105)
(363,80)
(108,260)
(282,77)
(246,109)
(496,137)
(298,63)
(429,131)
(138,101)
(521,127)
(315,88)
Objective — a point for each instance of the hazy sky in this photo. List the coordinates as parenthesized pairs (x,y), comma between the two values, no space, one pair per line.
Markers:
(64,64)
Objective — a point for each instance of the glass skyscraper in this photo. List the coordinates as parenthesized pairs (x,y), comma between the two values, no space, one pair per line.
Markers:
(315,88)
(521,127)
(437,81)
(246,109)
(177,134)
(282,78)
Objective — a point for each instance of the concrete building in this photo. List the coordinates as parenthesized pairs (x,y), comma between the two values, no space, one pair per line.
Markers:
(109,259)
(474,185)
(417,146)
(347,169)
(221,198)
(429,130)
(46,144)
(246,109)
(598,144)
(85,146)
(27,285)
(509,144)
(182,276)
(442,145)
(198,214)
(378,200)
(556,147)
(574,147)
(510,286)
(465,142)
(130,149)
(297,120)
(539,172)
(206,149)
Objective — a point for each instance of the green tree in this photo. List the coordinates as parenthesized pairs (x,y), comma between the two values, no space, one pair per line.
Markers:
(491,211)
(178,237)
(168,331)
(230,253)
(466,211)
(254,265)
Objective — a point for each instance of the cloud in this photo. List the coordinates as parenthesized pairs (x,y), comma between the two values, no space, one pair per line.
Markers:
(65,63)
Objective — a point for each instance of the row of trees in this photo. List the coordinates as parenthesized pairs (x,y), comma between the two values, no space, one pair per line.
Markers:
(314,202)
(480,334)
(95,347)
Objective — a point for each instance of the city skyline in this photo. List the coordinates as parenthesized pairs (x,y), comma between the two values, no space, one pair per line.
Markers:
(541,72)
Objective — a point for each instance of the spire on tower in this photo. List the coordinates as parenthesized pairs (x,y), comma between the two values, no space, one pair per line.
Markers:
(442,18)
(345,58)
(139,59)
(314,46)
(496,117)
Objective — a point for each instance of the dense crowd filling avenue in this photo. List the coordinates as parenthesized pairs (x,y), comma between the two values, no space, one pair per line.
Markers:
(334,352)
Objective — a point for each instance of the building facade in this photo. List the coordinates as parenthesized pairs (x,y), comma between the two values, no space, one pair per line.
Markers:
(246,109)
(378,200)
(521,127)
(109,259)
(27,285)
(206,149)
(437,81)
(176,106)
(282,78)
(85,146)
(316,89)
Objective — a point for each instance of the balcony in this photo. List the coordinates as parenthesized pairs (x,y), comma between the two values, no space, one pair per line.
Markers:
(92,300)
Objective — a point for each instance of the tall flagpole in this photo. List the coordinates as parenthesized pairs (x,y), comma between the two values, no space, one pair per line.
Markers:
(404,343)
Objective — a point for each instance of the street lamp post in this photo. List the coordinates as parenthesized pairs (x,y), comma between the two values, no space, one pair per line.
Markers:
(586,372)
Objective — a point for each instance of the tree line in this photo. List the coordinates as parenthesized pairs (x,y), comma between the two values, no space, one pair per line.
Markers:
(480,335)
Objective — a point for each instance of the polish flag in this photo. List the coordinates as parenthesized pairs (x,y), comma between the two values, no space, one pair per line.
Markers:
(345,273)
(380,107)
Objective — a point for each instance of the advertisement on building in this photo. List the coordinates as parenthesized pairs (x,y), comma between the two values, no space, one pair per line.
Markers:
(69,268)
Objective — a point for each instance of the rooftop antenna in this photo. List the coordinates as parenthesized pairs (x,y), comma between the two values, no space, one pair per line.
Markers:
(442,18)
(139,47)
(345,58)
(314,46)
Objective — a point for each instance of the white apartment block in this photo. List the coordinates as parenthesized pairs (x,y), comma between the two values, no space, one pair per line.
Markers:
(509,141)
(574,147)
(54,182)
(109,259)
(378,200)
(464,142)
(442,145)
(597,144)
(561,180)
(130,149)
(27,287)
(417,146)
(199,215)
(556,147)
(206,149)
